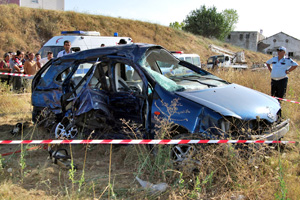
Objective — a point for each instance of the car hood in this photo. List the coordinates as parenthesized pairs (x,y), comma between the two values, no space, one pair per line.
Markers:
(236,101)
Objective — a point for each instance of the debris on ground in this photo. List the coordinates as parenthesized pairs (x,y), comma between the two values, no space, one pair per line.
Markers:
(17,129)
(153,188)
(61,158)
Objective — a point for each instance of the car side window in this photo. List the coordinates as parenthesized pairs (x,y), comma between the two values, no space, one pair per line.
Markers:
(63,75)
(82,69)
(127,79)
(100,79)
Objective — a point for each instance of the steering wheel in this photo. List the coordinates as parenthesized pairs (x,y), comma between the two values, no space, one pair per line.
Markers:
(123,84)
(136,88)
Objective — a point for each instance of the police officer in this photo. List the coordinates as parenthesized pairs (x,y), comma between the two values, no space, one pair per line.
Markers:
(281,67)
(67,47)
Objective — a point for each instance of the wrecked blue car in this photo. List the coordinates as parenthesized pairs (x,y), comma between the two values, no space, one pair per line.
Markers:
(98,89)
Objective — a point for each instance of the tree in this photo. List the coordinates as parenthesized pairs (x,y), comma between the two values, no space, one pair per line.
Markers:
(177,25)
(209,23)
(231,18)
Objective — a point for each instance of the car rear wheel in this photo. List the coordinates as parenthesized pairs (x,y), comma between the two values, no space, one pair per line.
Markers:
(64,130)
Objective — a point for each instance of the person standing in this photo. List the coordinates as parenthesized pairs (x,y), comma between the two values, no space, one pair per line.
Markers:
(4,67)
(38,61)
(46,59)
(67,47)
(4,64)
(30,66)
(17,67)
(22,57)
(15,63)
(281,67)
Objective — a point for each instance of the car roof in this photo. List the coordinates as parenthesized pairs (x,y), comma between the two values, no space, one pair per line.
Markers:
(132,51)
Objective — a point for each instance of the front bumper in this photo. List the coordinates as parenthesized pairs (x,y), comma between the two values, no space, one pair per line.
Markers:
(275,133)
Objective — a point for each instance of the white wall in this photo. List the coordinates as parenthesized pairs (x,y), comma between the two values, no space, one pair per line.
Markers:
(281,39)
(44,4)
(245,39)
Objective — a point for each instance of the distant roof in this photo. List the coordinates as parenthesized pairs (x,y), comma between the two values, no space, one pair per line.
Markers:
(284,34)
(246,32)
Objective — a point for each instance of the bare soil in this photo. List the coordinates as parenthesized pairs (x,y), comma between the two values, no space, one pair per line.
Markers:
(43,175)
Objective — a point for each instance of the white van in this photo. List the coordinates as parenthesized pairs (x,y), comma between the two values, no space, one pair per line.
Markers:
(174,69)
(191,58)
(80,40)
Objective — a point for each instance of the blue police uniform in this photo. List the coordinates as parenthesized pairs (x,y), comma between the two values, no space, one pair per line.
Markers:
(279,76)
(279,67)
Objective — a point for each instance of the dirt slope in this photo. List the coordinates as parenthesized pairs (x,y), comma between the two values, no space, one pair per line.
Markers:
(28,29)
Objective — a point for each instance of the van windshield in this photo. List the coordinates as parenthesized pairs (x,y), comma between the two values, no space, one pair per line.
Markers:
(55,49)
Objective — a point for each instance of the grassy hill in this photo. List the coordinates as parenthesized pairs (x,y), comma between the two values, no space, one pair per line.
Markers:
(28,29)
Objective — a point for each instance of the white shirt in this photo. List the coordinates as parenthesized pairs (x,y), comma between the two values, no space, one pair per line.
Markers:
(63,53)
(43,61)
(280,66)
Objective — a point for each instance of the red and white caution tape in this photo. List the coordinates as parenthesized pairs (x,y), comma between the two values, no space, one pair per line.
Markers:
(16,74)
(19,151)
(287,100)
(140,141)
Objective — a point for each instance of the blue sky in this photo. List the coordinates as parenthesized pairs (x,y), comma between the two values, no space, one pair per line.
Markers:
(270,16)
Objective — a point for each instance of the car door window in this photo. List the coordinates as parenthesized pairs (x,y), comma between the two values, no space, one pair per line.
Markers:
(127,99)
(127,79)
(62,76)
(81,70)
(100,79)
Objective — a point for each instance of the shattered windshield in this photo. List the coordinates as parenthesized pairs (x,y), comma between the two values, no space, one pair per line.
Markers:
(170,73)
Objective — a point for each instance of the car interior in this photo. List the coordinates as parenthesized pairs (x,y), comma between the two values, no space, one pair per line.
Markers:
(127,79)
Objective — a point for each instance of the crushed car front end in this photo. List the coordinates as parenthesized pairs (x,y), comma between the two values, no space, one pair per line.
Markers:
(216,108)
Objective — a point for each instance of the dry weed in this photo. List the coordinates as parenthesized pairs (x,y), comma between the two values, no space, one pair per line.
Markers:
(224,171)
